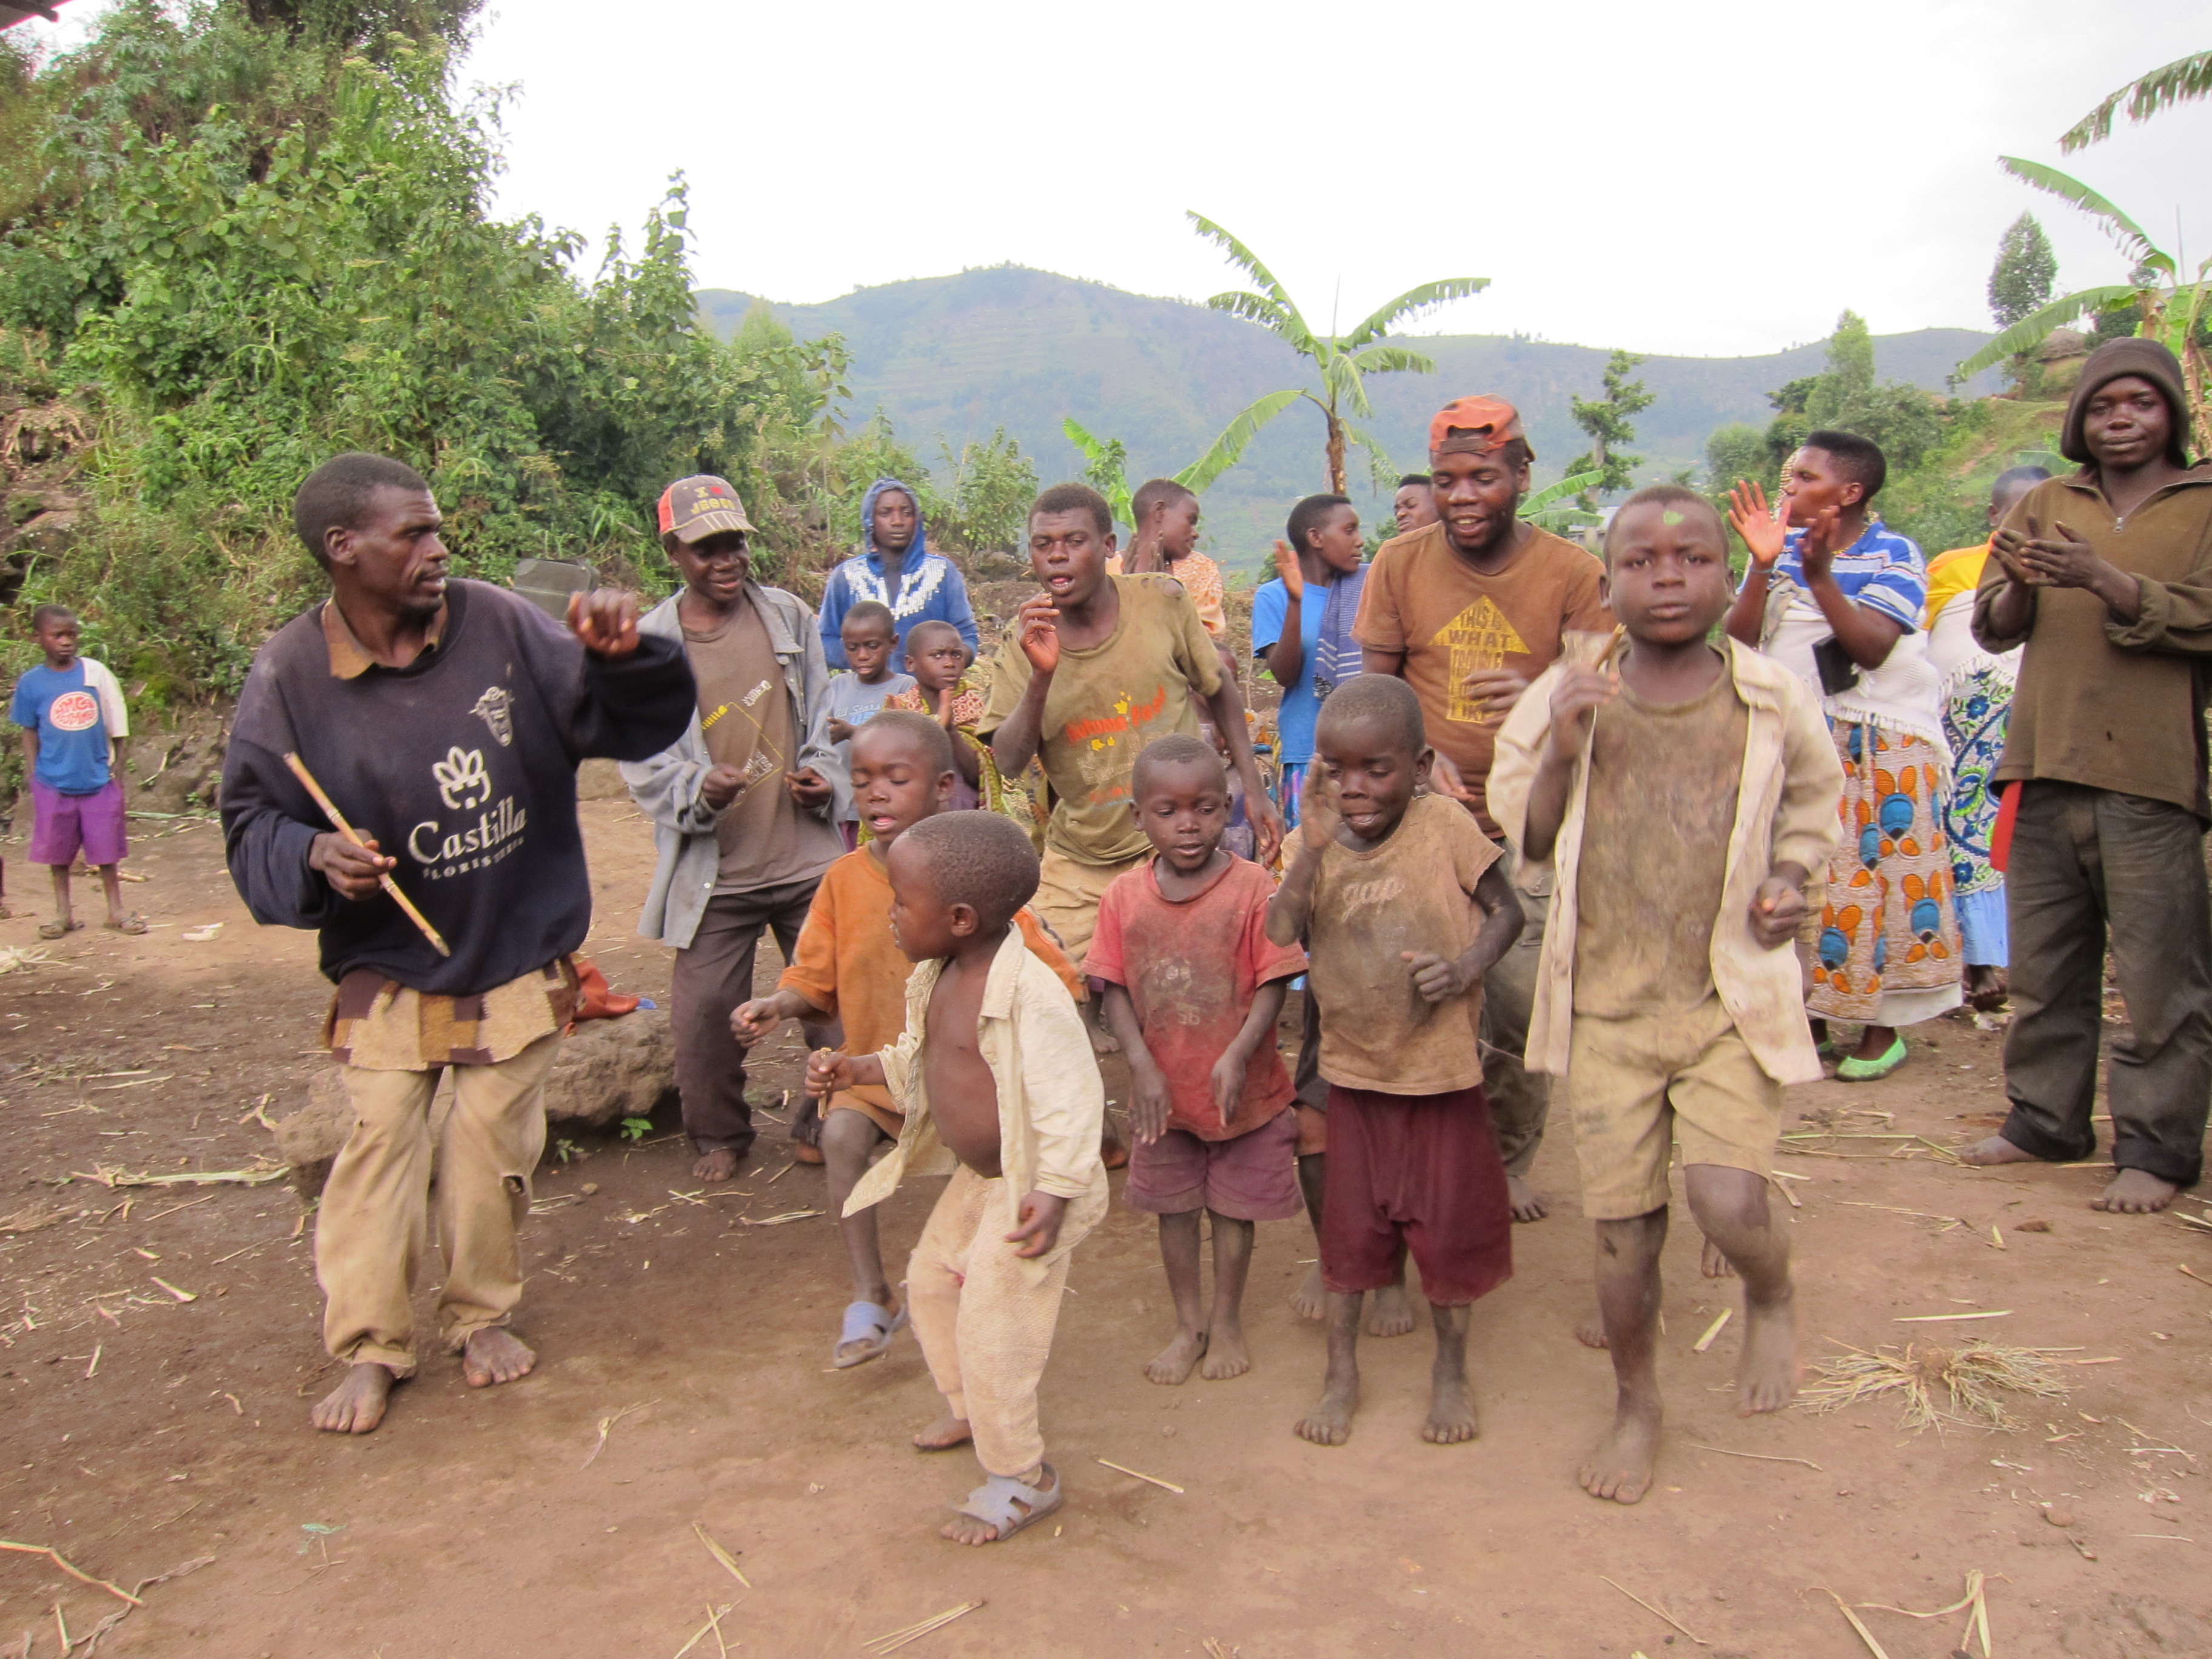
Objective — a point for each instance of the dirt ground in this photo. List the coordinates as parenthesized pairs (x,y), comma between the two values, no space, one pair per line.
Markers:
(149,1432)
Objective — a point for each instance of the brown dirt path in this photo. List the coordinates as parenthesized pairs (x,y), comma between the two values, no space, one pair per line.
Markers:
(474,1523)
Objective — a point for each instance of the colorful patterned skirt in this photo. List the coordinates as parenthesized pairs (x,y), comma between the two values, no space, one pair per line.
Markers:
(1889,951)
(1975,713)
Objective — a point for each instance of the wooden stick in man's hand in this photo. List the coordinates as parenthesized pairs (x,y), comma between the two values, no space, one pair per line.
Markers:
(384,878)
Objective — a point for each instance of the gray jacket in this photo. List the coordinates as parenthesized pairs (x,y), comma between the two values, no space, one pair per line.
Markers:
(666,787)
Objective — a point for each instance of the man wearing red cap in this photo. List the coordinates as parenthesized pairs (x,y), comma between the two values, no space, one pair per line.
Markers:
(1468,611)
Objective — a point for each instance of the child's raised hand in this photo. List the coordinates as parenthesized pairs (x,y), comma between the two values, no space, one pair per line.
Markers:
(1765,532)
(1287,568)
(1036,625)
(751,1021)
(1318,818)
(1777,910)
(828,1072)
(1438,979)
(1039,1221)
(1576,696)
(1148,1103)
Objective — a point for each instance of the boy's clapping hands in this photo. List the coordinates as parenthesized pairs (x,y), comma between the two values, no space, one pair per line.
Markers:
(829,1073)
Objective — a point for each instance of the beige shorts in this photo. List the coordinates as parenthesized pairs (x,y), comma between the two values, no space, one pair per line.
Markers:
(1637,1086)
(1067,897)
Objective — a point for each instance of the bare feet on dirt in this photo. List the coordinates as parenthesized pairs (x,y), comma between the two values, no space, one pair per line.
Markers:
(1713,1263)
(1995,1149)
(1226,1356)
(944,1434)
(1591,1332)
(492,1356)
(1174,1362)
(720,1164)
(1767,1372)
(1526,1205)
(1329,1423)
(356,1405)
(1986,988)
(1451,1413)
(1389,1311)
(1619,1468)
(2136,1192)
(1310,1299)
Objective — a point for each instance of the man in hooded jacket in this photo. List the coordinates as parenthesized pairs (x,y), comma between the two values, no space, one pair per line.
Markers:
(2106,577)
(894,568)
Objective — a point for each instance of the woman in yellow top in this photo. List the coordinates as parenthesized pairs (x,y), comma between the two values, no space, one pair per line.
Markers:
(1976,702)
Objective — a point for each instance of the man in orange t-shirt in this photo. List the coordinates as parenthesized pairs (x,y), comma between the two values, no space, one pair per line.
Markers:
(1468,611)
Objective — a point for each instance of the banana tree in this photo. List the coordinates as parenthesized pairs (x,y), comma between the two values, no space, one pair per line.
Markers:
(2177,83)
(1552,508)
(1106,469)
(2167,308)
(1342,363)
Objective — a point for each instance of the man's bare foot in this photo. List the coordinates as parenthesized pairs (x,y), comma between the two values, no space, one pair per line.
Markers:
(1619,1468)
(356,1405)
(944,1434)
(1174,1362)
(1526,1205)
(720,1164)
(1987,987)
(492,1355)
(1226,1356)
(1766,1371)
(1310,1299)
(1713,1263)
(1389,1312)
(1591,1332)
(1451,1414)
(2136,1192)
(1995,1149)
(1329,1423)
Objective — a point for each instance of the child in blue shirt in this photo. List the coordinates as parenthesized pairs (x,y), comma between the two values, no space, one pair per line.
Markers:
(1302,625)
(75,727)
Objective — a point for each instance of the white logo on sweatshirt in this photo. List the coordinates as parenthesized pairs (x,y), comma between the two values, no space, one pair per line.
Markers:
(463,781)
(491,708)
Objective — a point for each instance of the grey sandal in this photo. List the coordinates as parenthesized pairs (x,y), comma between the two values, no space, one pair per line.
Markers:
(999,1501)
(868,1323)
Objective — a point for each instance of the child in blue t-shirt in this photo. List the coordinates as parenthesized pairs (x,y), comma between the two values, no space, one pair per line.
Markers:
(1302,625)
(74,727)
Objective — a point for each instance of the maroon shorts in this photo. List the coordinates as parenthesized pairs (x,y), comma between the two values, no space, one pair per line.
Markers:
(1251,1177)
(1419,1172)
(69,823)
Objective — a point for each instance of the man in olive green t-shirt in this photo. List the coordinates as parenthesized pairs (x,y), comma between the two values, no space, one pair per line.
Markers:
(1094,668)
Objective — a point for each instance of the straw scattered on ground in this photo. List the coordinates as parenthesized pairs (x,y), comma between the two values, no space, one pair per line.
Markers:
(1963,1387)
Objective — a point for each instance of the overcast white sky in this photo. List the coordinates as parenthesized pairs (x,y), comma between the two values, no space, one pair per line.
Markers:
(1715,178)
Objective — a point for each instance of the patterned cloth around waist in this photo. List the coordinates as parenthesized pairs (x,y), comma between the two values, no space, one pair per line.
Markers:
(381,1026)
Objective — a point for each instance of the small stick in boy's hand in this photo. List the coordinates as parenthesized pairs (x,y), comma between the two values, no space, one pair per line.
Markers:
(384,877)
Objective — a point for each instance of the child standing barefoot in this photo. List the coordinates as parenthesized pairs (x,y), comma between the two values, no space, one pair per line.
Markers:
(994,1074)
(1406,910)
(1685,797)
(74,726)
(1193,988)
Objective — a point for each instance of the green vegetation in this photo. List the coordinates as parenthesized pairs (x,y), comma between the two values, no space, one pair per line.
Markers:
(1607,419)
(2020,282)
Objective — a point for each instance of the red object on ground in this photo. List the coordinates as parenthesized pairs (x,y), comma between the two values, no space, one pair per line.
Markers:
(594,998)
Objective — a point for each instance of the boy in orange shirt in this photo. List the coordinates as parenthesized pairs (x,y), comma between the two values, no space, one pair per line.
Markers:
(1193,988)
(848,966)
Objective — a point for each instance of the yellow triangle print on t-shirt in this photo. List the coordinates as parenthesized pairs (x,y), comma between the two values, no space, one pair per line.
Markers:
(1478,637)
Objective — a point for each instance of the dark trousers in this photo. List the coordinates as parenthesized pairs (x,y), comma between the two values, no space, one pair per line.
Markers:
(714,974)
(2089,863)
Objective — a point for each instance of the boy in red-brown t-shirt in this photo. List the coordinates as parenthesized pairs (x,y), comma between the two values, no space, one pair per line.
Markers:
(1193,988)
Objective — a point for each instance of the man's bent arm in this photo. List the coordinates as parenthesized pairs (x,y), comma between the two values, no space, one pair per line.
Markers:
(1014,744)
(632,706)
(265,846)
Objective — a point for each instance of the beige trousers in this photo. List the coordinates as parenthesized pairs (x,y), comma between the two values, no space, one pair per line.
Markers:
(985,1317)
(371,1229)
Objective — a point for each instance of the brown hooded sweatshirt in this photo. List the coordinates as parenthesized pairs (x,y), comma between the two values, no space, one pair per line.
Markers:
(2115,705)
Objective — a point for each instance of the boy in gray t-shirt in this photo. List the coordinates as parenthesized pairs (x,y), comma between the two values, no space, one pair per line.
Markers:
(869,634)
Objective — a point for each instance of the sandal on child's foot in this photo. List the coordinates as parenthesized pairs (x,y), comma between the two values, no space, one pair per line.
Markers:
(868,1330)
(1007,1505)
(133,924)
(1854,1070)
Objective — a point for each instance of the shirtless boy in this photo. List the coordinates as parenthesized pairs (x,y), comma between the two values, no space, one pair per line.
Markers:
(1193,988)
(848,966)
(994,1074)
(1684,792)
(1405,907)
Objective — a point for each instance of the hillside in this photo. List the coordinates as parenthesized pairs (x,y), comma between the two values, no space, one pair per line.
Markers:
(1023,349)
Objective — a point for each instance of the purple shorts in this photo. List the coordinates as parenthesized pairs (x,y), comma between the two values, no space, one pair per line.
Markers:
(1251,1177)
(69,823)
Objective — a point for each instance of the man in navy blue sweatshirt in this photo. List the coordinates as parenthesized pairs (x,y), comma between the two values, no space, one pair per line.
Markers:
(445,719)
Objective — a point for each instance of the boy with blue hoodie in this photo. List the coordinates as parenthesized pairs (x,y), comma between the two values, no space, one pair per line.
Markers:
(895,568)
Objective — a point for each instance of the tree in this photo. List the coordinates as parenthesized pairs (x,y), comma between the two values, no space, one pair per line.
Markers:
(2021,280)
(1607,419)
(1342,363)
(1106,469)
(2178,82)
(1848,396)
(1737,451)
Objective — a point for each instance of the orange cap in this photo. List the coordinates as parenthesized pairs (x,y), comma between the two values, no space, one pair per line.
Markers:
(1475,426)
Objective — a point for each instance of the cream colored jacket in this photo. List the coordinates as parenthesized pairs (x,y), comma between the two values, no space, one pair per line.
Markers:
(1052,1103)
(1786,813)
